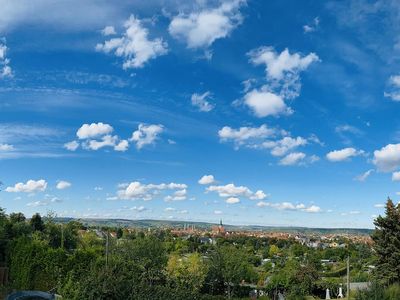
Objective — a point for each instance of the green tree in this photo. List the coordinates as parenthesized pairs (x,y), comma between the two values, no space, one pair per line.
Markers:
(120,233)
(34,265)
(387,244)
(187,272)
(229,267)
(37,222)
(17,217)
(273,250)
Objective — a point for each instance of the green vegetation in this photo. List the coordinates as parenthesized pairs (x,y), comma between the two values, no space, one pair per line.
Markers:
(81,262)
(386,276)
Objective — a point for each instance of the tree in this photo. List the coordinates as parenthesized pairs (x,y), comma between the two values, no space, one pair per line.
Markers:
(273,250)
(187,272)
(119,233)
(17,217)
(387,244)
(4,234)
(37,222)
(229,266)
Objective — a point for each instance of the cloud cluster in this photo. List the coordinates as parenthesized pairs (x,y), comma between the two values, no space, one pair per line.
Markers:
(278,142)
(282,80)
(343,154)
(284,145)
(292,159)
(232,193)
(280,66)
(134,46)
(207,179)
(5,69)
(146,134)
(201,101)
(246,136)
(31,186)
(387,159)
(99,135)
(290,206)
(201,28)
(178,195)
(139,191)
(93,130)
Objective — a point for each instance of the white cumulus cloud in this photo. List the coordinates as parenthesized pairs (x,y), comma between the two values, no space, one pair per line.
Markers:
(264,103)
(292,159)
(179,195)
(232,200)
(290,206)
(201,28)
(62,185)
(279,65)
(71,146)
(96,136)
(387,159)
(134,45)
(284,145)
(122,146)
(231,190)
(146,134)
(278,142)
(139,191)
(31,186)
(343,154)
(282,80)
(245,134)
(93,130)
(207,179)
(105,141)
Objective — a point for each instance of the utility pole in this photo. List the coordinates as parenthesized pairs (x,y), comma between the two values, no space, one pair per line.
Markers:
(107,249)
(62,236)
(348,277)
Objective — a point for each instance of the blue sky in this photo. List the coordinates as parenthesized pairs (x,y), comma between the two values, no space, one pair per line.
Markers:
(256,112)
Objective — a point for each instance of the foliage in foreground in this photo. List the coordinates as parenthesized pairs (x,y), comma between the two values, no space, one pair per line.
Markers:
(71,260)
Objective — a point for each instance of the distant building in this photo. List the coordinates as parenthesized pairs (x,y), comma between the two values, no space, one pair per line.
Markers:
(220,230)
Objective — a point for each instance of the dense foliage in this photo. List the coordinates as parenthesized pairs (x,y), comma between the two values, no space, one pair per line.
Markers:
(386,237)
(117,263)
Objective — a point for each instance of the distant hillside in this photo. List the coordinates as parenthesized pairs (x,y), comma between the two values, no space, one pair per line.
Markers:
(204,225)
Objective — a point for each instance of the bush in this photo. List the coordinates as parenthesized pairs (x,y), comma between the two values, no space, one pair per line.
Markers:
(392,292)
